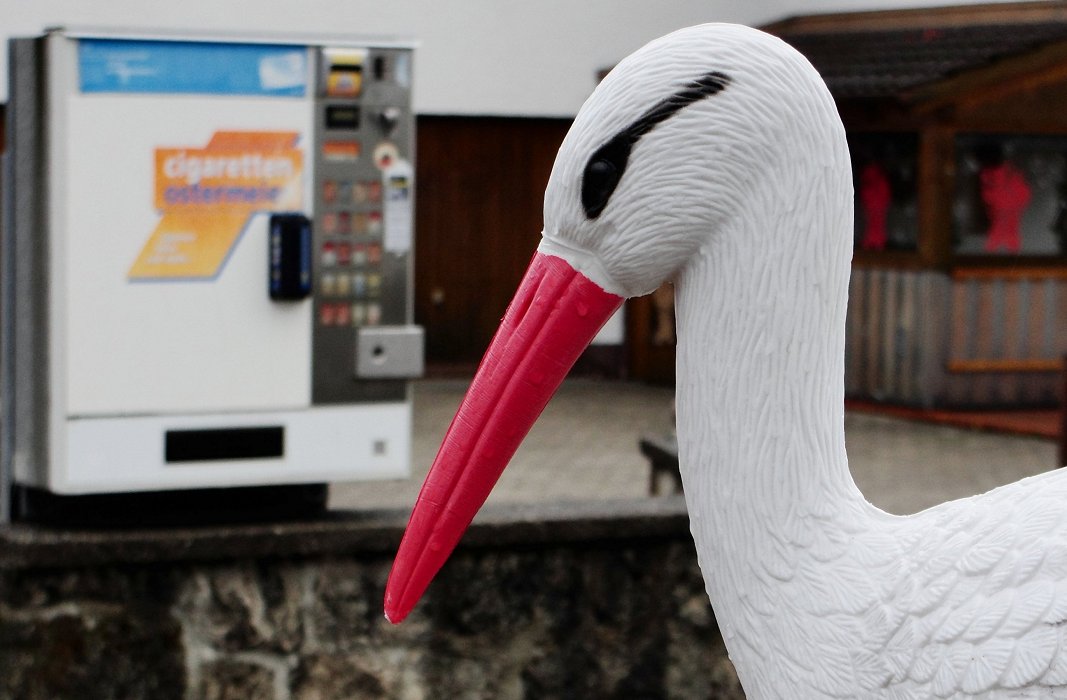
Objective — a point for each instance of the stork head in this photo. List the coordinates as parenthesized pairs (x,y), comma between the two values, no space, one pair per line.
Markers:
(656,162)
(665,149)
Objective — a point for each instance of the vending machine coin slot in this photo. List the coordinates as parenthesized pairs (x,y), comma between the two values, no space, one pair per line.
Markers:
(389,119)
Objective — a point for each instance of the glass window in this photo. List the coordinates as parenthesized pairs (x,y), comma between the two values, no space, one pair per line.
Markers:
(1011,195)
(884,182)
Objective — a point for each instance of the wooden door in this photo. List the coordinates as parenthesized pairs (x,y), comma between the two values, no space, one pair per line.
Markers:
(480,189)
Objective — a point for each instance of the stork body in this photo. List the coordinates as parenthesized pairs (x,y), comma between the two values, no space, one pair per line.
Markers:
(715,157)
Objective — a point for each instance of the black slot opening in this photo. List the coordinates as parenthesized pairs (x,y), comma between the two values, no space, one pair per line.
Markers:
(218,444)
(342,116)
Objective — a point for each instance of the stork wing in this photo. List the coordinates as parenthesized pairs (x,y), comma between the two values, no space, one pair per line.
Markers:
(978,604)
(967,599)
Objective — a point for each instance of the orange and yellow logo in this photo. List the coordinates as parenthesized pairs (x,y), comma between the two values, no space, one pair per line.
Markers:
(207,195)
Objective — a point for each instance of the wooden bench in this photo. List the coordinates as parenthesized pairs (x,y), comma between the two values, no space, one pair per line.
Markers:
(662,454)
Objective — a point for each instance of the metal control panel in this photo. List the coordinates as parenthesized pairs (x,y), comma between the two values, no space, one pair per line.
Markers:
(364,191)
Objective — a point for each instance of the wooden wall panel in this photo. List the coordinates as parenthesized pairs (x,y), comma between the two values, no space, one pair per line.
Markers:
(873,332)
(894,336)
(480,189)
(854,331)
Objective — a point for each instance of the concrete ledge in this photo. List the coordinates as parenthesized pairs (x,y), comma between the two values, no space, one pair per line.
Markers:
(337,532)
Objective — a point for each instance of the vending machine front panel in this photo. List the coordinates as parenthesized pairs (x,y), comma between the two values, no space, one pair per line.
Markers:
(216,224)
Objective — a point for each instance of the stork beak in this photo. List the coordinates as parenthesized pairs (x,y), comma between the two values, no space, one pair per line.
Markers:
(553,317)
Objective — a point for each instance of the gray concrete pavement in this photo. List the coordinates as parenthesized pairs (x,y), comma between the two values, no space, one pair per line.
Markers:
(585,447)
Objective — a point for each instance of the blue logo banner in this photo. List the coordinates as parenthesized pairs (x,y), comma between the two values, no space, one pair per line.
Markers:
(190,67)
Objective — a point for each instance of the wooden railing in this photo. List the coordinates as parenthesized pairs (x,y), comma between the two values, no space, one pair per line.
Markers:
(1008,332)
(1006,365)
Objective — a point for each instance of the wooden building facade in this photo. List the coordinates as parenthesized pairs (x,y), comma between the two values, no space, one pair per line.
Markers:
(957,125)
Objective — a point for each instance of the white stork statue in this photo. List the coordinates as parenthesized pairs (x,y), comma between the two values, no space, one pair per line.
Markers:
(714,157)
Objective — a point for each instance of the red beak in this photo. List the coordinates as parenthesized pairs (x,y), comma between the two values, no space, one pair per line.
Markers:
(553,317)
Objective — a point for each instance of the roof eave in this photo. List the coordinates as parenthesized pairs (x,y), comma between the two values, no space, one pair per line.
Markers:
(987,83)
(920,18)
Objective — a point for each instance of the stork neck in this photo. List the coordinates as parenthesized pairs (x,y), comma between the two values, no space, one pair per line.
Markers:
(761,321)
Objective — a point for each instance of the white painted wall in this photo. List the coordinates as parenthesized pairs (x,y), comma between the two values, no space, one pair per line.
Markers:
(501,57)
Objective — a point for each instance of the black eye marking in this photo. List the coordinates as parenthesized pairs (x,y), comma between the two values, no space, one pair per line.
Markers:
(607,164)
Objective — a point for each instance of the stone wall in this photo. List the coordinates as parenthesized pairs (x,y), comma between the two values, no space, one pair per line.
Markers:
(586,601)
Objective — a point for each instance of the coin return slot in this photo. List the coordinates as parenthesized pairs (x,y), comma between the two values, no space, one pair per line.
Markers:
(388,352)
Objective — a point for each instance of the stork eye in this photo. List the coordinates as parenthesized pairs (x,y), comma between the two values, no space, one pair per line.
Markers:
(607,164)
(601,177)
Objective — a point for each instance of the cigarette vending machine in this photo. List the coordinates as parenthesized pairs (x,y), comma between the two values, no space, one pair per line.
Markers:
(207,262)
